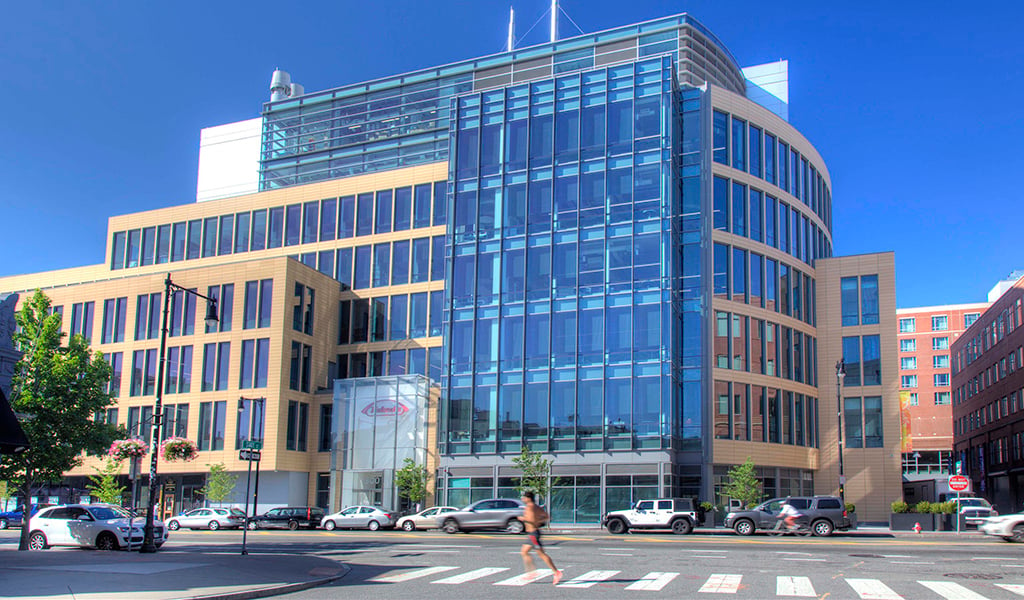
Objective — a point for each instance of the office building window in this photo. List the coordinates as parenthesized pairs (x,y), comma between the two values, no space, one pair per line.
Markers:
(183,313)
(940,323)
(912,398)
(225,295)
(941,379)
(178,379)
(175,421)
(115,360)
(250,421)
(212,416)
(940,361)
(863,422)
(908,345)
(940,343)
(326,424)
(869,299)
(851,360)
(302,312)
(908,381)
(114,314)
(300,367)
(941,398)
(254,363)
(907,325)
(298,416)
(216,358)
(258,303)
(970,318)
(908,363)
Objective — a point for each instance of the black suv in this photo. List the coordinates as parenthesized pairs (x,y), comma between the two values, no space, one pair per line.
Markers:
(824,514)
(291,517)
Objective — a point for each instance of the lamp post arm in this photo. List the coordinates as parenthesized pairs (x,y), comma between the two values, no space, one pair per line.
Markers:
(170,285)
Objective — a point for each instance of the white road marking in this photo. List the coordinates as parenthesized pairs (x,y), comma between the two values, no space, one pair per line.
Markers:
(615,554)
(407,550)
(721,584)
(1012,587)
(807,559)
(653,581)
(471,575)
(589,578)
(912,562)
(873,589)
(408,575)
(526,578)
(897,556)
(438,545)
(1013,566)
(794,586)
(800,553)
(993,558)
(952,591)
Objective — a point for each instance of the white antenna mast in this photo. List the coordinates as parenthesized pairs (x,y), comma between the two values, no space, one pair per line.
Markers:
(511,27)
(554,21)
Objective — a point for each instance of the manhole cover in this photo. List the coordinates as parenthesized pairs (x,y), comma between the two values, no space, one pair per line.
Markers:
(867,555)
(973,576)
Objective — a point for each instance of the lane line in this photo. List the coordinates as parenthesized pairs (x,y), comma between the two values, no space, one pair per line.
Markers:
(653,581)
(873,589)
(409,575)
(525,578)
(1012,587)
(471,575)
(721,584)
(588,579)
(952,591)
(912,562)
(807,559)
(794,586)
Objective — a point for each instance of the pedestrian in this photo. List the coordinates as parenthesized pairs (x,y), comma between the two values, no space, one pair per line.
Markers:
(533,518)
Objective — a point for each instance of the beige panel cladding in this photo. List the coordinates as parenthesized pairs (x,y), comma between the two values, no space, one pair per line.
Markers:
(873,475)
(732,452)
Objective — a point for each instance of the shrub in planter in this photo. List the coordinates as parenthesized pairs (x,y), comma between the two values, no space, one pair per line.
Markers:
(899,507)
(176,448)
(923,507)
(128,449)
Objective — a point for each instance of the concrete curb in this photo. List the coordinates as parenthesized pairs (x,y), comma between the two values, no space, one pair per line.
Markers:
(275,590)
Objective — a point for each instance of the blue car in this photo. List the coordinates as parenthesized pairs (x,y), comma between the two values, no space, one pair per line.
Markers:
(13,518)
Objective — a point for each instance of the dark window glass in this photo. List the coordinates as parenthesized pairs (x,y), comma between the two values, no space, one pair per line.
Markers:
(361,279)
(163,244)
(242,232)
(403,208)
(148,243)
(344,267)
(293,227)
(328,219)
(868,299)
(310,221)
(721,204)
(258,240)
(400,263)
(364,214)
(440,203)
(225,239)
(275,236)
(384,211)
(210,236)
(849,301)
(117,250)
(720,127)
(421,206)
(347,217)
(739,144)
(437,259)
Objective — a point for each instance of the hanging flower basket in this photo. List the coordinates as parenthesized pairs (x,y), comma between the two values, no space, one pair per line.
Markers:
(177,448)
(128,449)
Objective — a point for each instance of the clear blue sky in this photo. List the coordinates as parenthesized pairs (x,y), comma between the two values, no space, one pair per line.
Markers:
(914,106)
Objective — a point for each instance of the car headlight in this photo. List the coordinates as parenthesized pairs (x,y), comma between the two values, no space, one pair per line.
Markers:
(730,515)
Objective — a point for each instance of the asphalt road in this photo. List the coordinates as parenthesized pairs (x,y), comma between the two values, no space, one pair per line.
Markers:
(399,565)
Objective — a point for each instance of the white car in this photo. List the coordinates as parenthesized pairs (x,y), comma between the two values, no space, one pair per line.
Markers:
(359,517)
(208,518)
(425,519)
(1008,527)
(100,526)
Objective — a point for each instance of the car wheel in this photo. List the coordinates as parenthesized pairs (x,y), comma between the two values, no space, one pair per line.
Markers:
(682,526)
(330,525)
(1018,533)
(4,524)
(173,526)
(37,541)
(293,525)
(106,541)
(514,526)
(253,525)
(373,526)
(744,527)
(409,526)
(617,526)
(451,526)
(214,525)
(822,528)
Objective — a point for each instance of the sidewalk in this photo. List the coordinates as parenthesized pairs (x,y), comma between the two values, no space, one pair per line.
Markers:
(167,575)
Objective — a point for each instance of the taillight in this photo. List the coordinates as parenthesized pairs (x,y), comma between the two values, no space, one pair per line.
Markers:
(844,513)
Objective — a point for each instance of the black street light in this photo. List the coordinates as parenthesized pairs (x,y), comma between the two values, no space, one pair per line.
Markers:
(840,374)
(148,545)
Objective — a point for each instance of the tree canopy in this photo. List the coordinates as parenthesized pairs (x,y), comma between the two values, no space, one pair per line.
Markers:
(219,484)
(536,473)
(743,484)
(411,480)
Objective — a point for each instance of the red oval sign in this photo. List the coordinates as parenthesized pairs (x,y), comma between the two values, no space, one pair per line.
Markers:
(385,408)
(959,483)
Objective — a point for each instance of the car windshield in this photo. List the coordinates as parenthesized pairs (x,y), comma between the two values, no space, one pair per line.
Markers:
(237,512)
(102,513)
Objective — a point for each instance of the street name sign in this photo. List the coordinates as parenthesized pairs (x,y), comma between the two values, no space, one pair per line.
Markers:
(252,445)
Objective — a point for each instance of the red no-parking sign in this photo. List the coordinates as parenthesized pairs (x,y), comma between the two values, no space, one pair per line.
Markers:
(959,483)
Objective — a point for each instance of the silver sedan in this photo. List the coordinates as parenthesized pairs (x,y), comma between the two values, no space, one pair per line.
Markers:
(208,518)
(359,517)
(425,519)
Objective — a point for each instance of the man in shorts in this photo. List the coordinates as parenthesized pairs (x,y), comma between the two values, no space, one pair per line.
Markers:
(533,518)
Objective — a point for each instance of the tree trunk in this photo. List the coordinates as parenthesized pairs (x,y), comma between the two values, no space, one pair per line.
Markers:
(26,493)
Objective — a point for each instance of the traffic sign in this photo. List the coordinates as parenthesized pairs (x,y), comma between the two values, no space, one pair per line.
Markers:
(252,445)
(959,483)
(251,455)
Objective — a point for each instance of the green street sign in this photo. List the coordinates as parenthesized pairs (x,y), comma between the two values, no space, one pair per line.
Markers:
(252,445)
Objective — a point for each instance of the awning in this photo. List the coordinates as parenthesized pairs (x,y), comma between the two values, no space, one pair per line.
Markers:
(12,437)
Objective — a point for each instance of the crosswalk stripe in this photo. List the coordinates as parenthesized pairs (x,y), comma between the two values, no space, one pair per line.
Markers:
(721,584)
(654,581)
(873,589)
(794,586)
(1012,587)
(589,578)
(526,578)
(408,575)
(952,591)
(471,575)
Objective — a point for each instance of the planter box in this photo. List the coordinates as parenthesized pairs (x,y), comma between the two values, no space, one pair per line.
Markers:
(906,521)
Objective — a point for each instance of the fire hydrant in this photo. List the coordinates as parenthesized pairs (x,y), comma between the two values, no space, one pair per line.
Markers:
(917,527)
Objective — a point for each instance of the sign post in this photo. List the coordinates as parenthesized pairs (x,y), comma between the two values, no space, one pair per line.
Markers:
(249,456)
(958,483)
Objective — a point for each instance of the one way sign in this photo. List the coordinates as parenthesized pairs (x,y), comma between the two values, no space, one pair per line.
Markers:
(249,455)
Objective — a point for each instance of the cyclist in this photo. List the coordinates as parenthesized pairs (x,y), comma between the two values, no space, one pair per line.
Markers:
(790,514)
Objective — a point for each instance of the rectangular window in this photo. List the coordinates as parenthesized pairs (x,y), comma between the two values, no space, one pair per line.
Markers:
(940,323)
(941,379)
(114,385)
(383,212)
(381,264)
(720,137)
(225,243)
(421,205)
(225,296)
(908,345)
(739,144)
(940,343)
(908,363)
(970,318)
(437,259)
(400,263)
(163,244)
(210,234)
(361,277)
(420,260)
(82,319)
(869,299)
(242,232)
(258,238)
(293,225)
(275,228)
(849,300)
(873,422)
(117,251)
(940,361)
(854,424)
(403,209)
(299,374)
(148,243)
(908,381)
(310,221)
(941,398)
(851,360)
(326,426)
(872,360)
(302,311)
(907,325)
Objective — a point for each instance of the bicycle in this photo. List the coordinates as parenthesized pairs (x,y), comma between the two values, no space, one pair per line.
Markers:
(801,528)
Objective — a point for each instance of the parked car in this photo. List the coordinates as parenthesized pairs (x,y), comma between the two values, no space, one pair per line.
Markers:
(290,517)
(495,513)
(681,515)
(976,515)
(425,519)
(208,518)
(359,517)
(13,518)
(1008,527)
(824,514)
(100,526)
(965,502)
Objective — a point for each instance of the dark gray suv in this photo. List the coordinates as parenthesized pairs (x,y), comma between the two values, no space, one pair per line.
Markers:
(824,514)
(495,513)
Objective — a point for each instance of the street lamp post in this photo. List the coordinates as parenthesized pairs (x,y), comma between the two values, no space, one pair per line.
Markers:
(840,374)
(148,545)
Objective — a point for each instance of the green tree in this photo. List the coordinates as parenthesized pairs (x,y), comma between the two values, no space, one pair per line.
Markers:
(219,484)
(104,486)
(58,389)
(411,480)
(743,484)
(536,473)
